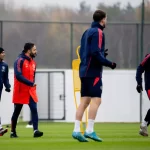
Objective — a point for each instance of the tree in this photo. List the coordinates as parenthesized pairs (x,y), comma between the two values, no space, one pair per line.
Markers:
(84,8)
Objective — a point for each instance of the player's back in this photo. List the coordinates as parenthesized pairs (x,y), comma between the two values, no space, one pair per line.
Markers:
(90,66)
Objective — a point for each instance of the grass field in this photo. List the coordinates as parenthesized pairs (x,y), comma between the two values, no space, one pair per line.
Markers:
(57,136)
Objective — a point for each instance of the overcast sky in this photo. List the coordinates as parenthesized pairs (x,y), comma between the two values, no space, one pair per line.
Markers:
(68,3)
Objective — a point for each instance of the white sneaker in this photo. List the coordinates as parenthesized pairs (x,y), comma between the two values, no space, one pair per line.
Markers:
(143,131)
(29,126)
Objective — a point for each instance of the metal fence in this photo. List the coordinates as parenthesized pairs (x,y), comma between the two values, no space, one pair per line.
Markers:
(56,41)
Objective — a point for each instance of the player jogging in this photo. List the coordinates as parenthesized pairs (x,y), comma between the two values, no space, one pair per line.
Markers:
(92,55)
(144,67)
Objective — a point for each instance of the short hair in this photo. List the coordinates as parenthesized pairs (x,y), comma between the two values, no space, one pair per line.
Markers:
(1,50)
(99,15)
(28,46)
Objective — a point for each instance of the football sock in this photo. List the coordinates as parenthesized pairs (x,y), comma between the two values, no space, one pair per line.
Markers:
(90,126)
(77,126)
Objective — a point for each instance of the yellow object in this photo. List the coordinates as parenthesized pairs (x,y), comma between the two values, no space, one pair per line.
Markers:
(77,85)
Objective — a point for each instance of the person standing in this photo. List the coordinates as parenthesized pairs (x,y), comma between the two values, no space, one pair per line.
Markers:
(24,91)
(4,80)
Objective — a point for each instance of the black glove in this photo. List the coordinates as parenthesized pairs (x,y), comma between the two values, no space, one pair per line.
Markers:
(7,90)
(139,88)
(113,66)
(105,53)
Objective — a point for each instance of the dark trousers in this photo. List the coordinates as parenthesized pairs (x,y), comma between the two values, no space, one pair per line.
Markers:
(17,110)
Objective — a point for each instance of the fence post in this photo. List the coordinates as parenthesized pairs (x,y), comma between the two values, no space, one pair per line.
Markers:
(71,43)
(1,36)
(141,52)
(137,43)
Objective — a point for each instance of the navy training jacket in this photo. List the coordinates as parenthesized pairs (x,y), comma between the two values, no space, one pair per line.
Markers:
(144,66)
(4,79)
(92,52)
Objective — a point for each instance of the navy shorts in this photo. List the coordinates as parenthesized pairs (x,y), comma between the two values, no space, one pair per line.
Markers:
(91,87)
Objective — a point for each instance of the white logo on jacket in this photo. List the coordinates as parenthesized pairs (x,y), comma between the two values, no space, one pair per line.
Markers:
(33,66)
(3,68)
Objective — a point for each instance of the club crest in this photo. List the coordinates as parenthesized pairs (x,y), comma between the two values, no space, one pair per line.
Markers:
(3,69)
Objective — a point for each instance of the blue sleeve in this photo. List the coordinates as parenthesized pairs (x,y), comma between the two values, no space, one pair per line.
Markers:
(139,72)
(6,78)
(96,51)
(18,72)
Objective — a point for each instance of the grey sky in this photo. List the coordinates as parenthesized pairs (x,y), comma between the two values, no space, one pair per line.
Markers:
(69,3)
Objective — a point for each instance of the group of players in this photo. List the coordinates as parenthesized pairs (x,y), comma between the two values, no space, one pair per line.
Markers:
(93,58)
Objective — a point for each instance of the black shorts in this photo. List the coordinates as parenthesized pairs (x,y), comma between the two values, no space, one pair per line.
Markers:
(91,87)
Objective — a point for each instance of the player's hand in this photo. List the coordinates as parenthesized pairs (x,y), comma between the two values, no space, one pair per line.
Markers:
(7,90)
(113,66)
(139,88)
(105,52)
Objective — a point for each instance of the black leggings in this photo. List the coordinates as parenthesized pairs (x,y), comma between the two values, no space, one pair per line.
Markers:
(17,110)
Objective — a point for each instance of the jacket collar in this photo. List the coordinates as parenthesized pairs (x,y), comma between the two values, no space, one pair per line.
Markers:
(96,24)
(24,56)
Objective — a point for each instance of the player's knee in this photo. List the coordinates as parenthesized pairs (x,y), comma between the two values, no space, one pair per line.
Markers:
(86,102)
(96,101)
(14,117)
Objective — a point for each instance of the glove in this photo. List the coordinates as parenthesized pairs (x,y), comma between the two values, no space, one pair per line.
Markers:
(139,88)
(113,66)
(7,90)
(105,53)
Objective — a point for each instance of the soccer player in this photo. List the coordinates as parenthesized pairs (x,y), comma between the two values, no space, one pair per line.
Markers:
(144,67)
(25,88)
(92,55)
(4,80)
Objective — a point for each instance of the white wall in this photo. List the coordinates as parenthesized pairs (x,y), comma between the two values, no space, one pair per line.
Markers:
(120,101)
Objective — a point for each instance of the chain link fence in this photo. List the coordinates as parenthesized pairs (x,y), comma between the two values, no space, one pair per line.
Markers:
(57,41)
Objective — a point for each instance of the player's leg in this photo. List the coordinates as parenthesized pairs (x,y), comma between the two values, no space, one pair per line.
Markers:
(85,101)
(34,113)
(96,89)
(2,130)
(17,110)
(143,128)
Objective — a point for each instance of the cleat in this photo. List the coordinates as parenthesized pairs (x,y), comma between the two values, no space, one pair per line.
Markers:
(13,135)
(143,131)
(38,134)
(78,136)
(3,131)
(92,136)
(29,126)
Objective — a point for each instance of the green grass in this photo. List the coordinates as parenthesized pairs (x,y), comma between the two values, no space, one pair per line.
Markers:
(57,136)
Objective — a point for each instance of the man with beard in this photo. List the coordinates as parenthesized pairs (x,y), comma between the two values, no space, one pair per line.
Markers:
(25,88)
(93,58)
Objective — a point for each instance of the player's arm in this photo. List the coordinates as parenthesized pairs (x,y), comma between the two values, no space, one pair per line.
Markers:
(6,80)
(140,70)
(34,74)
(96,51)
(18,73)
